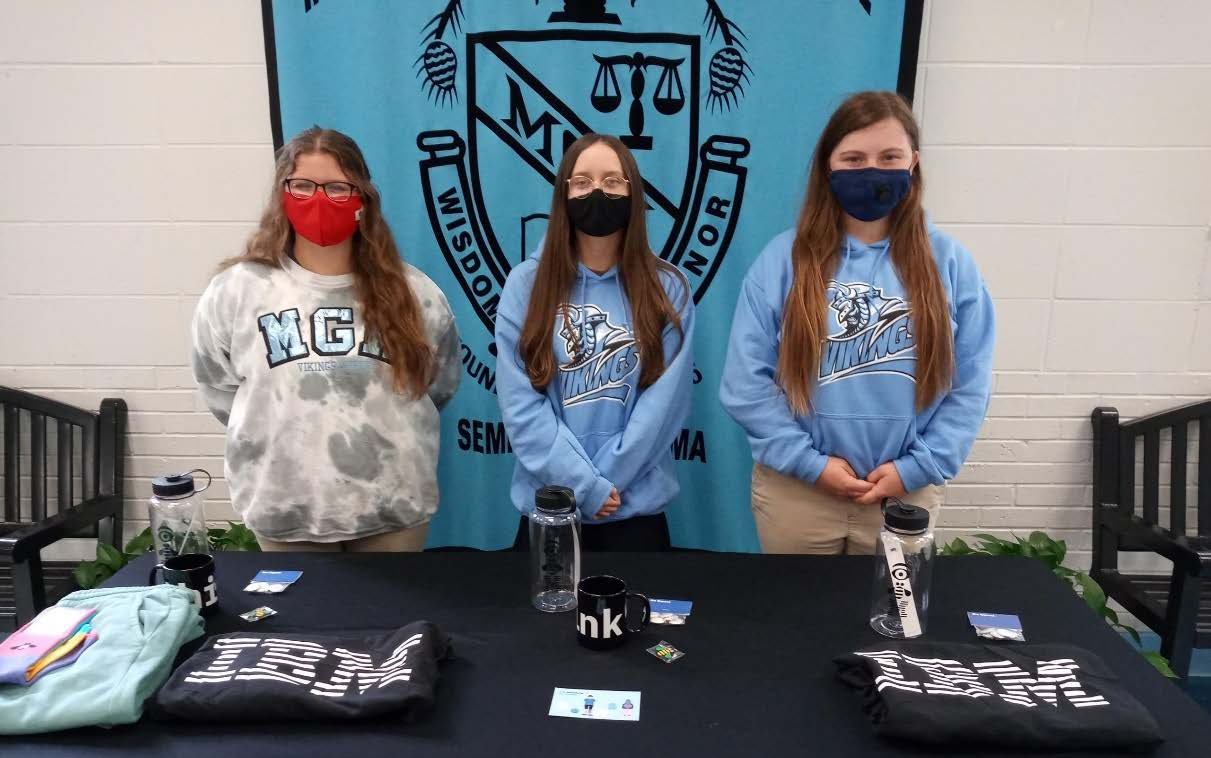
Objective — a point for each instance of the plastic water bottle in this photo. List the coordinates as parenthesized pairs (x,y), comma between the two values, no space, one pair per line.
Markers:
(554,550)
(178,515)
(904,553)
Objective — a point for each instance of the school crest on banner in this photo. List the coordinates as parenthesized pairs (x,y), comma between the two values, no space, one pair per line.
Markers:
(464,109)
(645,87)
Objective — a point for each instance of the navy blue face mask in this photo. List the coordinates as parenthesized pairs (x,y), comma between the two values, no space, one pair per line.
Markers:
(869,194)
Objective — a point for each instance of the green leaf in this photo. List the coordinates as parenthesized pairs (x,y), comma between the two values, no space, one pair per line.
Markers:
(1092,593)
(108,555)
(957,547)
(1061,551)
(242,538)
(86,574)
(217,538)
(1133,634)
(89,574)
(1041,541)
(1160,663)
(991,545)
(139,544)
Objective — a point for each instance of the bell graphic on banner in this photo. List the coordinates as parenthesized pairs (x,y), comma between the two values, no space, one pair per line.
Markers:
(669,97)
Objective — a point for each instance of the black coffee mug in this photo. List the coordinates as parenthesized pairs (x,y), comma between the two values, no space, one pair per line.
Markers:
(602,612)
(195,571)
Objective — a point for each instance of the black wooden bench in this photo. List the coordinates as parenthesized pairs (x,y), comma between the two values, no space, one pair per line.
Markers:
(1176,606)
(87,457)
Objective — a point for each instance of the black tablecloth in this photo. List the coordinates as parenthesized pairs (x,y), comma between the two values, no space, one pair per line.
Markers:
(757,679)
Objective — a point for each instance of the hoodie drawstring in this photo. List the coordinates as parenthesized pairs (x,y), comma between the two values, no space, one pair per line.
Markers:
(874,266)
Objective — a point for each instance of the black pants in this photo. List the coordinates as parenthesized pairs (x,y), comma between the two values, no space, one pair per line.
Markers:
(639,534)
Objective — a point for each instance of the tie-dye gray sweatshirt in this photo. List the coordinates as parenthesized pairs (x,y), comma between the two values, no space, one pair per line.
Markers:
(319,445)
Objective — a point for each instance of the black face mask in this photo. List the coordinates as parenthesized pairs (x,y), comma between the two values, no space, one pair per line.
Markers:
(597,215)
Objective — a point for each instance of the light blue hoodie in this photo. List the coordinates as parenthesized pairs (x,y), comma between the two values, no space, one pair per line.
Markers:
(863,406)
(593,429)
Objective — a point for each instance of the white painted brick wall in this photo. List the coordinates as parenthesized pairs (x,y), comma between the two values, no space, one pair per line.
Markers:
(1067,144)
(140,132)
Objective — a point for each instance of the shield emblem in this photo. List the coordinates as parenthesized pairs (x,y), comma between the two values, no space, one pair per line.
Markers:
(531,94)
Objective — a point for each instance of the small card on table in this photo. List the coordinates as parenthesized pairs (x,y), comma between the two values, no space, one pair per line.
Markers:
(997,626)
(272,582)
(601,705)
(670,611)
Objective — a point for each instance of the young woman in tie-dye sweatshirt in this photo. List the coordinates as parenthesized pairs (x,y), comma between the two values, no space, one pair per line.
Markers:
(327,358)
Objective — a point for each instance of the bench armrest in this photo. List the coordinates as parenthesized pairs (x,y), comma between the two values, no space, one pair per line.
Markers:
(1188,558)
(18,546)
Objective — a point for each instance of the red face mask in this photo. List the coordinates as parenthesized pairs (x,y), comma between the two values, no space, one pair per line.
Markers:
(320,220)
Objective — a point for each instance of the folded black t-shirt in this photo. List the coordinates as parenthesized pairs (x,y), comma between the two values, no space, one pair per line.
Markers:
(1032,696)
(263,677)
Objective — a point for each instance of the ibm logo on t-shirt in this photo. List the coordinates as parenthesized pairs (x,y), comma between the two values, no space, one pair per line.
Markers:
(295,662)
(1050,681)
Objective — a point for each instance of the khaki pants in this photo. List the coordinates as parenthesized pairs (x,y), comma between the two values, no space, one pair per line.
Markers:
(795,517)
(402,541)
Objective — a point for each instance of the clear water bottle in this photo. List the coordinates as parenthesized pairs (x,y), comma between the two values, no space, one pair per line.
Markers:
(554,550)
(904,553)
(178,515)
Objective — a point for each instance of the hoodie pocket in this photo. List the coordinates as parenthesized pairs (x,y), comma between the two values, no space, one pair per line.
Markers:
(864,442)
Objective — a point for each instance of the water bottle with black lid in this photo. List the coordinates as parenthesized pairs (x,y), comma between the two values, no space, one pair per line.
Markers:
(177,513)
(904,553)
(554,550)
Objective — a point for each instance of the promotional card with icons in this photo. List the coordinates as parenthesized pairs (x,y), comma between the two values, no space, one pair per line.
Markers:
(673,612)
(272,582)
(601,705)
(997,626)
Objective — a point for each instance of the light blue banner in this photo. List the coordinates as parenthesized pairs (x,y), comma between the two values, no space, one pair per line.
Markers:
(463,109)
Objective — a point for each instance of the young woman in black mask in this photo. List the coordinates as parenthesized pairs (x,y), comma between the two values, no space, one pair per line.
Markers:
(594,372)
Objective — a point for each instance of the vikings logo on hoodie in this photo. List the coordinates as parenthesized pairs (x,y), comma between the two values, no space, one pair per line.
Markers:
(600,356)
(874,336)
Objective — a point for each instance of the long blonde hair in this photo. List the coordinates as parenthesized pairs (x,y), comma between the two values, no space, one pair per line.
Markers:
(815,253)
(391,312)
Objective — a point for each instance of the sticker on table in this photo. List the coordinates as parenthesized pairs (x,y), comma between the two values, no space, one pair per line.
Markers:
(665,651)
(256,614)
(601,705)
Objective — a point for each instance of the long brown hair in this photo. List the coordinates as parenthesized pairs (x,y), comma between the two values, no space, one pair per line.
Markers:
(389,307)
(639,270)
(815,253)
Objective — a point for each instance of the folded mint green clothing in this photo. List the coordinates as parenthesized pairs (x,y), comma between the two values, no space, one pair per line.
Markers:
(140,630)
